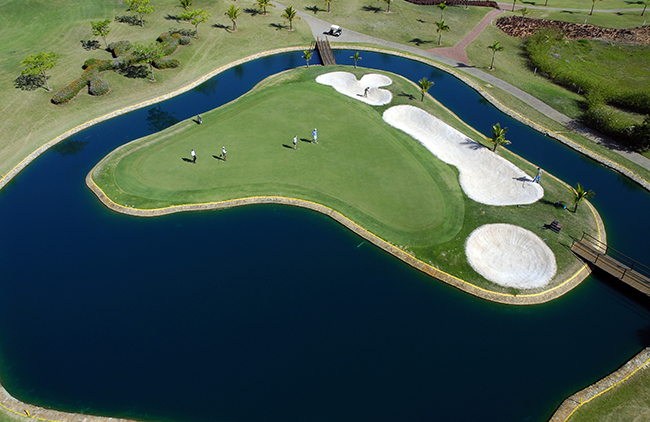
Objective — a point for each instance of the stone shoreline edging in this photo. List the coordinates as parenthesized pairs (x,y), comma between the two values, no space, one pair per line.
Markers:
(619,168)
(574,402)
(504,298)
(5,179)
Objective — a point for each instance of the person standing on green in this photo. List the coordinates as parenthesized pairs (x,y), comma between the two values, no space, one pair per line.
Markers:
(223,153)
(314,135)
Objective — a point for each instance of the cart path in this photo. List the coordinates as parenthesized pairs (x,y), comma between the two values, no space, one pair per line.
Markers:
(320,27)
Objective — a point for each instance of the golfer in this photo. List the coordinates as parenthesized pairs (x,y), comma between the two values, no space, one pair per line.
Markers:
(295,141)
(539,175)
(193,156)
(199,119)
(365,91)
(223,153)
(314,135)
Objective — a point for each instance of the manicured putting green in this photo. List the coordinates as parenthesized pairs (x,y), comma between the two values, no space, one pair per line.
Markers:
(373,174)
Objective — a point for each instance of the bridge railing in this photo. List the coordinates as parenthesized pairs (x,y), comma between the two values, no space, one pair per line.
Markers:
(629,263)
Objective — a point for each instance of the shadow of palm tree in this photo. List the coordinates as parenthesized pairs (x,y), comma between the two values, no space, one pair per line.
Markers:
(90,45)
(315,9)
(409,96)
(252,11)
(29,82)
(220,26)
(473,145)
(278,26)
(131,20)
(371,9)
(419,42)
(172,18)
(186,32)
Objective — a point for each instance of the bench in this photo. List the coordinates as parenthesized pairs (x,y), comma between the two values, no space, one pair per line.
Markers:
(554,226)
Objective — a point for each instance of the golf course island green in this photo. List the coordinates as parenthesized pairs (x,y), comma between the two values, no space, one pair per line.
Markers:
(365,171)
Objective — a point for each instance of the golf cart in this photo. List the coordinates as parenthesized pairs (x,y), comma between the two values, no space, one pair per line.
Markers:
(335,31)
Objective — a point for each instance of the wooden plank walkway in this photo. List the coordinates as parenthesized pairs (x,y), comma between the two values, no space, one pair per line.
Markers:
(612,266)
(325,52)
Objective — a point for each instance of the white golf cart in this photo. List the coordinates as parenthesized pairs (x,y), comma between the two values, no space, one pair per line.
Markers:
(335,30)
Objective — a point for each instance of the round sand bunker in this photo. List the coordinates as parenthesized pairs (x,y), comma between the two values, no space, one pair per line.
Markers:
(510,256)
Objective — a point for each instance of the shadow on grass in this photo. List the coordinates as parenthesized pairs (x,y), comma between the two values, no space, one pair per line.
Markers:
(172,18)
(409,96)
(374,9)
(218,157)
(90,45)
(220,26)
(287,146)
(131,20)
(188,160)
(29,82)
(315,9)
(186,32)
(253,11)
(278,26)
(134,72)
(418,42)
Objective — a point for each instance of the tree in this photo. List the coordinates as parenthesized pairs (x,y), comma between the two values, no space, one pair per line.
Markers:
(494,47)
(425,84)
(524,12)
(290,14)
(579,194)
(147,54)
(195,17)
(593,4)
(356,58)
(513,5)
(186,4)
(498,136)
(233,13)
(388,2)
(307,56)
(141,7)
(442,6)
(327,2)
(546,3)
(102,29)
(645,6)
(37,64)
(263,4)
(441,26)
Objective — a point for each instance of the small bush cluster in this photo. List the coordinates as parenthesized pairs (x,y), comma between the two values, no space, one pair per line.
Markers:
(121,60)
(544,49)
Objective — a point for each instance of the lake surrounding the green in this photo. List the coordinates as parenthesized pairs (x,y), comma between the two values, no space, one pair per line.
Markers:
(271,313)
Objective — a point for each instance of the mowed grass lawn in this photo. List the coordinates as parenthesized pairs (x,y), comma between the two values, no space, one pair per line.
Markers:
(373,174)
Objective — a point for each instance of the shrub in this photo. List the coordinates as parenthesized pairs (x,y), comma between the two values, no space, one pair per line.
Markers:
(166,63)
(70,91)
(98,86)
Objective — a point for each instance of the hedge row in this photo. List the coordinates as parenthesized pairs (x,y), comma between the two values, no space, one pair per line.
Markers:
(121,59)
(456,2)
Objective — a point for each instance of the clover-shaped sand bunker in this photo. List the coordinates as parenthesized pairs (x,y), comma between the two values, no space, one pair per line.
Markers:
(484,176)
(510,256)
(346,83)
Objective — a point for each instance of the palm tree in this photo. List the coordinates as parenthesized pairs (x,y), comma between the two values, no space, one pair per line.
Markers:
(494,47)
(498,136)
(524,12)
(579,194)
(186,4)
(388,2)
(645,6)
(593,4)
(289,14)
(233,13)
(441,26)
(263,4)
(442,6)
(327,2)
(513,5)
(425,84)
(356,58)
(546,3)
(307,56)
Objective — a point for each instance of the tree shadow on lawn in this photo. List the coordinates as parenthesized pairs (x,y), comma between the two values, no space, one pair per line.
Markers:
(315,9)
(186,32)
(131,20)
(418,42)
(278,26)
(371,9)
(90,45)
(221,26)
(409,96)
(253,11)
(172,18)
(29,82)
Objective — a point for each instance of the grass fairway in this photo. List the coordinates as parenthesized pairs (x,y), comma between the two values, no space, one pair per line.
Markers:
(371,173)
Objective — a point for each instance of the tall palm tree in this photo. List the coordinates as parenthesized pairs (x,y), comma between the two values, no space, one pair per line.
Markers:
(307,56)
(327,2)
(494,47)
(593,4)
(263,4)
(356,58)
(233,13)
(441,26)
(289,14)
(524,12)
(645,6)
(579,193)
(442,6)
(186,4)
(546,3)
(498,136)
(425,84)
(513,5)
(388,2)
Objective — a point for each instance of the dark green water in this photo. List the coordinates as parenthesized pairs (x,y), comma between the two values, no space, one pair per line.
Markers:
(269,313)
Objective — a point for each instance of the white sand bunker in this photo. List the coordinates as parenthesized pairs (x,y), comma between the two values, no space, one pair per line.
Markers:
(510,256)
(484,176)
(346,83)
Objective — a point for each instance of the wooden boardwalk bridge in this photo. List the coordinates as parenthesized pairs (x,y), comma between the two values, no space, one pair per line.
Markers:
(613,262)
(325,52)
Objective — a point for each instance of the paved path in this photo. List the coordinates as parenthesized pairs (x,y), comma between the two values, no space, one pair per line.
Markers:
(319,27)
